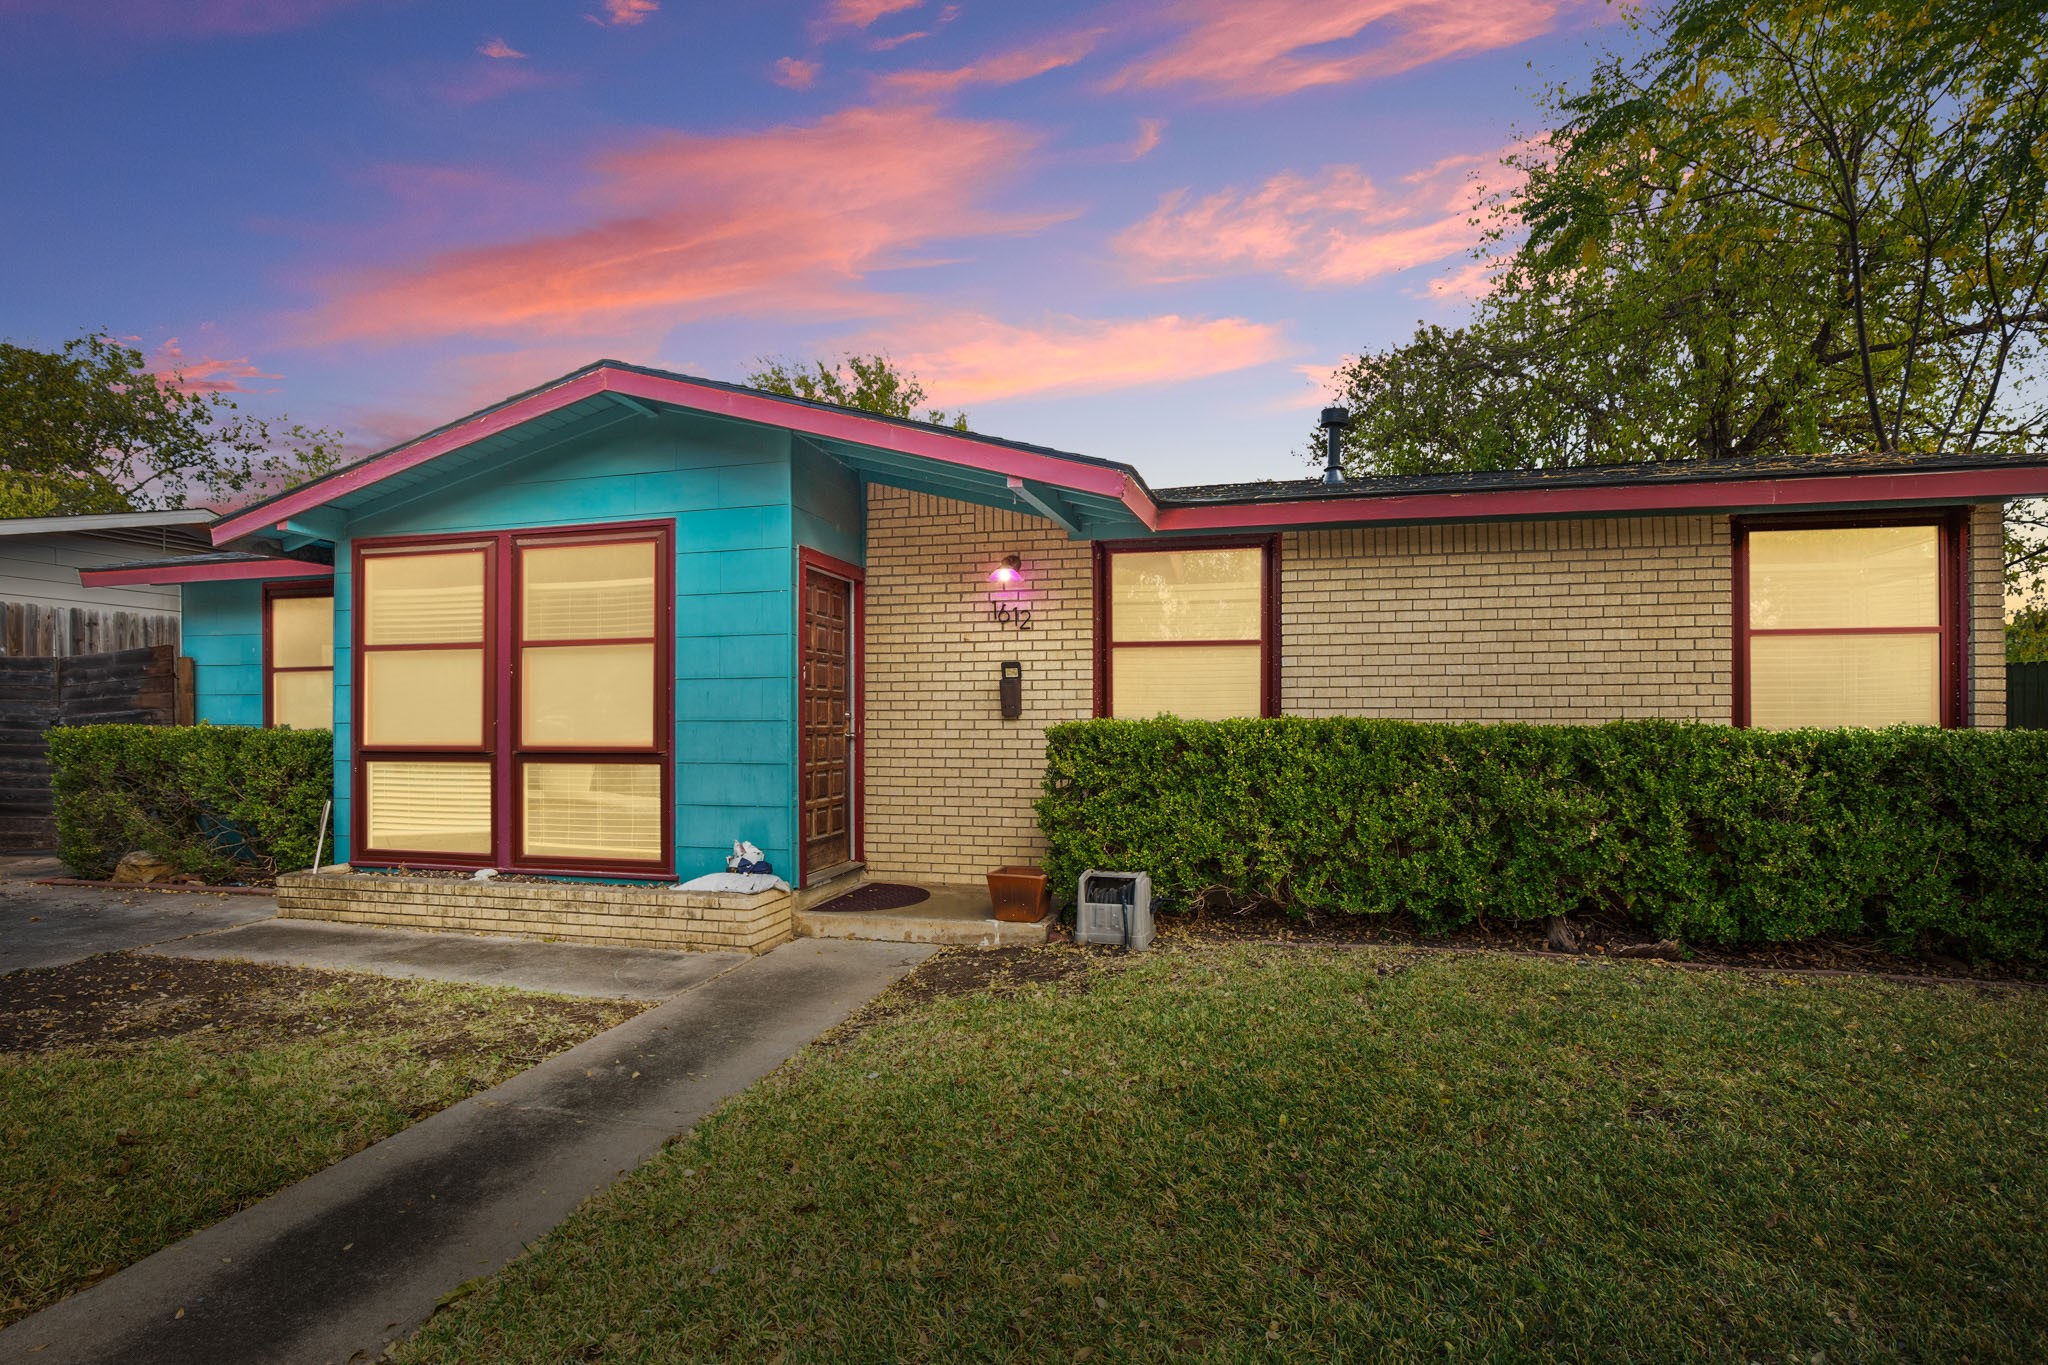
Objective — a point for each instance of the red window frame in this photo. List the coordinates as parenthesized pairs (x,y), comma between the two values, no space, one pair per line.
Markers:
(271,592)
(1269,611)
(1954,586)
(503,744)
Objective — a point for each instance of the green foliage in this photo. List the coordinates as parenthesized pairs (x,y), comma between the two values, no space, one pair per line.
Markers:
(90,428)
(228,803)
(1703,832)
(2026,636)
(1783,229)
(871,383)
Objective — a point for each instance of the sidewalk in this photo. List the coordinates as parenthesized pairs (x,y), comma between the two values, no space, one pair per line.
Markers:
(343,1263)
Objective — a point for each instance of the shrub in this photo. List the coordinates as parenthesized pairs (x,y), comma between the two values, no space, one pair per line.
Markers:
(1702,832)
(224,802)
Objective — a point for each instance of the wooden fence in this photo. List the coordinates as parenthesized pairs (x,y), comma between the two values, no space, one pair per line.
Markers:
(145,686)
(34,630)
(2026,696)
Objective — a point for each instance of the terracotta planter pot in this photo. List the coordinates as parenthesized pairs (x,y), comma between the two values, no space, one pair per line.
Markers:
(1021,894)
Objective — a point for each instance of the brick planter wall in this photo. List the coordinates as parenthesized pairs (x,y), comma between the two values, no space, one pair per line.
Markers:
(570,912)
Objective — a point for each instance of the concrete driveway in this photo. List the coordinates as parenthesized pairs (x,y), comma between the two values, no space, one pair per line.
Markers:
(47,926)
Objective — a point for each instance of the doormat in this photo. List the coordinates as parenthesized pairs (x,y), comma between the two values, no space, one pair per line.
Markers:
(877,896)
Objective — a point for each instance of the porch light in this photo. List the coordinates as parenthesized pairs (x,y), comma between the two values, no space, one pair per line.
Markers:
(1009,571)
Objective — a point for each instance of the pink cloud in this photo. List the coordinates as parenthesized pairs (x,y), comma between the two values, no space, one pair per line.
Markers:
(796,74)
(501,50)
(1006,68)
(170,18)
(1149,131)
(891,44)
(627,13)
(1275,47)
(971,358)
(209,374)
(861,13)
(1338,228)
(785,220)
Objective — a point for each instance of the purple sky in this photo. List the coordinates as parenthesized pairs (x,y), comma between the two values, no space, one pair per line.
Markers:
(1138,230)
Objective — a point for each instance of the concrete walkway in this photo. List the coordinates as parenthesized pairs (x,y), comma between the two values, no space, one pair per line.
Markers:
(347,1261)
(472,959)
(48,926)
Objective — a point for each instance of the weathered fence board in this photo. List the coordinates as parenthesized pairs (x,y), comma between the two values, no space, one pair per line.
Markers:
(34,630)
(132,686)
(2026,696)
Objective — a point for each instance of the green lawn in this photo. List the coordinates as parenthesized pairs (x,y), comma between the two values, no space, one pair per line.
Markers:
(111,1150)
(1244,1153)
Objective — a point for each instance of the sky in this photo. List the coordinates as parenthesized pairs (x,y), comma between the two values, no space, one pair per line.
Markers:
(1144,230)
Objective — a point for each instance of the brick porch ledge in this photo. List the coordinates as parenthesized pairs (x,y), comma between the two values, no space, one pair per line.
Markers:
(566,912)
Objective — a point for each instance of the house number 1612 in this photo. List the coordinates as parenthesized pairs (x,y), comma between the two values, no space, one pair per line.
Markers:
(1003,614)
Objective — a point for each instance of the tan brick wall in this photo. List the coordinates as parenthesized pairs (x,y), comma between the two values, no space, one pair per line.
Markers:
(949,783)
(567,912)
(1529,621)
(1987,623)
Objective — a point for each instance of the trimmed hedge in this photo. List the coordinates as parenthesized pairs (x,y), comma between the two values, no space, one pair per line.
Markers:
(227,802)
(1703,832)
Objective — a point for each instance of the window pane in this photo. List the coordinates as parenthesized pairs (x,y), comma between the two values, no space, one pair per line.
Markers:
(587,592)
(1198,682)
(593,810)
(302,701)
(423,698)
(426,599)
(1845,576)
(428,807)
(302,632)
(1186,595)
(588,695)
(1844,680)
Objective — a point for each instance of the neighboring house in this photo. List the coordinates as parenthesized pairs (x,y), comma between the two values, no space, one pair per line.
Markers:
(608,626)
(44,610)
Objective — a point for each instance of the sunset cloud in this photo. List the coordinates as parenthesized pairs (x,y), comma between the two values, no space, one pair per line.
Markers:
(208,374)
(501,50)
(1005,68)
(1149,131)
(784,221)
(627,13)
(862,13)
(1259,48)
(795,73)
(972,358)
(1337,228)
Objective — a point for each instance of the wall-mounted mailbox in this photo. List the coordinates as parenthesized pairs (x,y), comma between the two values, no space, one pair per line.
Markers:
(1011,689)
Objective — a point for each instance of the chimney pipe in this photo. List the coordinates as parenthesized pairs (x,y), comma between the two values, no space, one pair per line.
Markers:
(1335,422)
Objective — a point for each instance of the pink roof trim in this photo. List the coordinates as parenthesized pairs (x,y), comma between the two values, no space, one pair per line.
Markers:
(204,573)
(1979,484)
(961,450)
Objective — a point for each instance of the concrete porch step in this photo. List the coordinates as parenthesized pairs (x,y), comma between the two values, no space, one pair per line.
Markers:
(958,916)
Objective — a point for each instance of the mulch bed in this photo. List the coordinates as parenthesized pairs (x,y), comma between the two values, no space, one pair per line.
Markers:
(1600,937)
(876,896)
(132,997)
(236,889)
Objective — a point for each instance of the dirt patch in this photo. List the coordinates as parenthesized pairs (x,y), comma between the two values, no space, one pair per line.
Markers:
(963,971)
(131,997)
(1599,936)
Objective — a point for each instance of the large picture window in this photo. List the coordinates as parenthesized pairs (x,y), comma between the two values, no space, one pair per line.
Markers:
(513,700)
(1848,625)
(298,655)
(1186,631)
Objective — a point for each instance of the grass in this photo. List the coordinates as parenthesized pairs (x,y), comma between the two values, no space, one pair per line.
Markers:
(1237,1153)
(112,1150)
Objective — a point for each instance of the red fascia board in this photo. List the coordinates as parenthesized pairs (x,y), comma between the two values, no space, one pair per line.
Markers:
(963,451)
(1718,495)
(204,573)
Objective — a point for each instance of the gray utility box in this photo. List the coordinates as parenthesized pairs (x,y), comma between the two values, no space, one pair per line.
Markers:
(1114,907)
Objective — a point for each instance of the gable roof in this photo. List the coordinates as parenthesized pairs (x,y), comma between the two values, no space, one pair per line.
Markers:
(1106,498)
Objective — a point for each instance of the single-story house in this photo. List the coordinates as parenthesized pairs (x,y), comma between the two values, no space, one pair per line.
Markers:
(606,627)
(46,613)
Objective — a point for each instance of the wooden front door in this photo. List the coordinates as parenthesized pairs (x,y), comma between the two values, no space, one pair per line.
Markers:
(826,704)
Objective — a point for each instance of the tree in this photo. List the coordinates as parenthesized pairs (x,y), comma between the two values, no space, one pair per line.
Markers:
(1786,228)
(871,383)
(89,428)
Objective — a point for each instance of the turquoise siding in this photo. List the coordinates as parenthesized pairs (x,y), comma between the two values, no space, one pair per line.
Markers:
(830,508)
(223,636)
(727,487)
